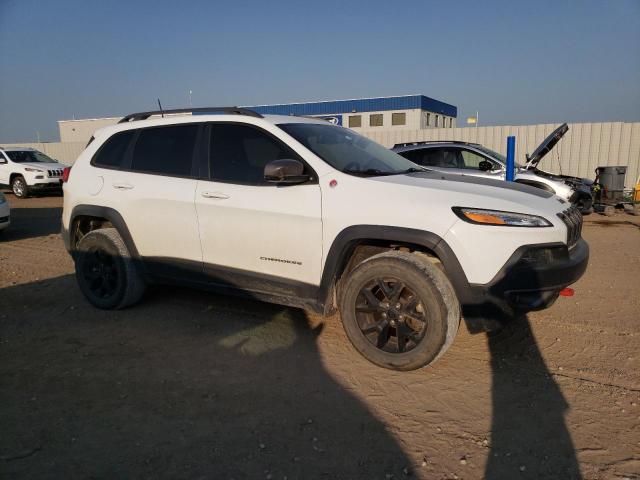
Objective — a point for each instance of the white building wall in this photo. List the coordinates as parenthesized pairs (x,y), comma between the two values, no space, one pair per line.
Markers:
(82,130)
(583,148)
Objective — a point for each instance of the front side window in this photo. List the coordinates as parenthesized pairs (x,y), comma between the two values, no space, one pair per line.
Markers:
(111,154)
(471,159)
(398,119)
(375,120)
(239,153)
(165,150)
(28,156)
(427,157)
(347,151)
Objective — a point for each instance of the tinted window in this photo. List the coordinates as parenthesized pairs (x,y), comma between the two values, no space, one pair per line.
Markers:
(427,157)
(398,119)
(166,150)
(238,153)
(375,120)
(111,154)
(355,121)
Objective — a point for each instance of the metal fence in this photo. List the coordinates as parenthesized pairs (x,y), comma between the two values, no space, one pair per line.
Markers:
(584,147)
(65,152)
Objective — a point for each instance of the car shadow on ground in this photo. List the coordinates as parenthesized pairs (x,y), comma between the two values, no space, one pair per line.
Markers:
(29,222)
(529,436)
(190,384)
(184,385)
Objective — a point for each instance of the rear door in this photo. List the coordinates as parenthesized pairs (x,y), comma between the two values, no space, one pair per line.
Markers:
(154,192)
(253,231)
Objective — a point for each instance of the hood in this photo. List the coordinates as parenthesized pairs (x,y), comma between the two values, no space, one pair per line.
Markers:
(480,192)
(43,166)
(546,146)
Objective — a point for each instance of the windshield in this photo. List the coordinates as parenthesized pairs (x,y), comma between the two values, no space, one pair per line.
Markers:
(347,151)
(496,155)
(28,156)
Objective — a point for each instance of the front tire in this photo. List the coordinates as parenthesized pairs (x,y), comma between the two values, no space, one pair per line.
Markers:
(399,310)
(105,271)
(19,187)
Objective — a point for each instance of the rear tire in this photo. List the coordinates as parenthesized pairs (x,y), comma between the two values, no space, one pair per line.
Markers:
(19,187)
(105,271)
(399,310)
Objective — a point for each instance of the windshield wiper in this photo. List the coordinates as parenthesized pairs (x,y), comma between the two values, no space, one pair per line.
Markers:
(411,170)
(372,172)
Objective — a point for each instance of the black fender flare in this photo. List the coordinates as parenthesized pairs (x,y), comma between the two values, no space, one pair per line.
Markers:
(347,240)
(110,214)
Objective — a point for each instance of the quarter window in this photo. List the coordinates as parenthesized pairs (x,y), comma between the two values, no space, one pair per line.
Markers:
(355,121)
(375,120)
(398,119)
(165,150)
(239,153)
(111,154)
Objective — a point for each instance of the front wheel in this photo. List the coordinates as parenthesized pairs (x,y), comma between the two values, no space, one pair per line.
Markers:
(20,187)
(399,310)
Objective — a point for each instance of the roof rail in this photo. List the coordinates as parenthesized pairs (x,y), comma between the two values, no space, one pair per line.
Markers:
(425,142)
(132,117)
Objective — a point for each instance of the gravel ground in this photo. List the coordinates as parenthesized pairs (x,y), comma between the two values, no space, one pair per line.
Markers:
(193,385)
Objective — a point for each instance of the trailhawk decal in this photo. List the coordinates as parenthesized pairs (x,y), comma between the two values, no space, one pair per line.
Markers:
(280,260)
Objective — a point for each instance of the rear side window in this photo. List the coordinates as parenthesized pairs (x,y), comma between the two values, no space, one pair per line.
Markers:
(238,153)
(111,154)
(165,150)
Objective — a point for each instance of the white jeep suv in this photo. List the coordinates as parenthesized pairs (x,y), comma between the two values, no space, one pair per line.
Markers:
(300,212)
(27,171)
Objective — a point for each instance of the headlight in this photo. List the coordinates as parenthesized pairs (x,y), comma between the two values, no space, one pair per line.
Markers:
(29,169)
(497,217)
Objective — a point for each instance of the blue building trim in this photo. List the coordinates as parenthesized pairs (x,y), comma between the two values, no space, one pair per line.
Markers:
(359,105)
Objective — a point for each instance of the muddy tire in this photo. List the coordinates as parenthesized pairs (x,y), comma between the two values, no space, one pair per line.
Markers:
(105,271)
(19,187)
(399,310)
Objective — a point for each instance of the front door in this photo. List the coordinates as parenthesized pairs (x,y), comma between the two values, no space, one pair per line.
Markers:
(256,235)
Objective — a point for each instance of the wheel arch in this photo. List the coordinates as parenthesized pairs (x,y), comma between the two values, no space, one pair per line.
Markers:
(102,216)
(347,242)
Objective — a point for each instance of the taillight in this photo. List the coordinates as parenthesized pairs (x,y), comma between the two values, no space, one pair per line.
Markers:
(65,174)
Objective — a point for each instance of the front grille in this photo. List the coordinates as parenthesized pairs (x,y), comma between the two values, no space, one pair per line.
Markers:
(572,218)
(54,173)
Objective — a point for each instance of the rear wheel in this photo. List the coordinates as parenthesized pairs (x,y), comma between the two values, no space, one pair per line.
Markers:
(106,272)
(399,310)
(20,187)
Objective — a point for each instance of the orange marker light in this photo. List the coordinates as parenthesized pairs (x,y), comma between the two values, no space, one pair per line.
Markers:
(484,218)
(567,292)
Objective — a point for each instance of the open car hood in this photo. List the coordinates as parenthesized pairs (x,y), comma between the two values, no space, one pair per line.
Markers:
(546,146)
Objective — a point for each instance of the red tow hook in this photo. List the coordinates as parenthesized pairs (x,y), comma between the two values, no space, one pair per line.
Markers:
(567,292)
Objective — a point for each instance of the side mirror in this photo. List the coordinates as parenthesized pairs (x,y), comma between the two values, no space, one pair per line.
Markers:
(285,171)
(485,166)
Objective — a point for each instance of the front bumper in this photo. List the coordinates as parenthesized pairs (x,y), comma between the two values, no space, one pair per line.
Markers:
(530,280)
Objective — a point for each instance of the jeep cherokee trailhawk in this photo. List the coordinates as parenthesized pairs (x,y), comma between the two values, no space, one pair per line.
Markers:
(300,212)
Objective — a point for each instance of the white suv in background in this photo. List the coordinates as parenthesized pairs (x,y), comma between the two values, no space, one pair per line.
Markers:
(27,171)
(300,212)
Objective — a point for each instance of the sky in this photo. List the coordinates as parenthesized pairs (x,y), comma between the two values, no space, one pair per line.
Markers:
(514,62)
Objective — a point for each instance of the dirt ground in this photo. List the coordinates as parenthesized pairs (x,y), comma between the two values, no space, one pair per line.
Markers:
(193,385)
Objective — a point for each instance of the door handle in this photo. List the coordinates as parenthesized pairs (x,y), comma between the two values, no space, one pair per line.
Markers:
(218,195)
(122,186)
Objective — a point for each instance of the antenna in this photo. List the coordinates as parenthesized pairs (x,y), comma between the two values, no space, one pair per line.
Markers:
(161,111)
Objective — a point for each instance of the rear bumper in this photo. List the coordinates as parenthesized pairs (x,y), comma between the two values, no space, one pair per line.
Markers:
(530,280)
